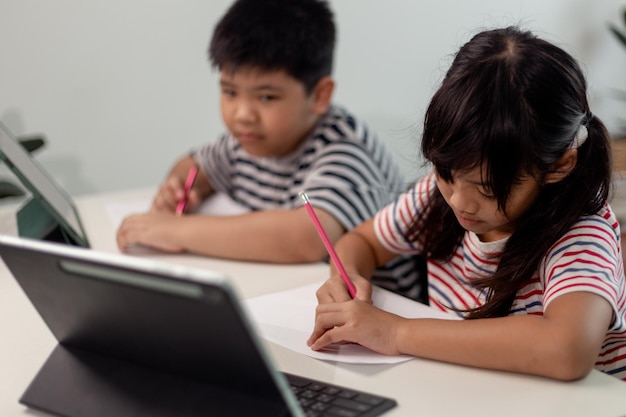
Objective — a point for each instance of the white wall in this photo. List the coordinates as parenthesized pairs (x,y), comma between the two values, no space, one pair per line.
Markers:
(122,88)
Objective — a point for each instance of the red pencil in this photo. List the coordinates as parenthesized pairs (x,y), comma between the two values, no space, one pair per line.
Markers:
(191,177)
(329,247)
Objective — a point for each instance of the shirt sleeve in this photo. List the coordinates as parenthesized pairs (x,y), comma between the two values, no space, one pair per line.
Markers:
(392,223)
(587,258)
(216,162)
(346,182)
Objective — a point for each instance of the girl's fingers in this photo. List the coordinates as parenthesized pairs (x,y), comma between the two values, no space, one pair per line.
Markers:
(329,319)
(363,290)
(327,338)
(332,291)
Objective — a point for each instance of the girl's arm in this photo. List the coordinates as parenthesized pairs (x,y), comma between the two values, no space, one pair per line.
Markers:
(360,253)
(563,344)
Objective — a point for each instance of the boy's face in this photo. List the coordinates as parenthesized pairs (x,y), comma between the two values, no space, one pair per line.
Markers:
(268,112)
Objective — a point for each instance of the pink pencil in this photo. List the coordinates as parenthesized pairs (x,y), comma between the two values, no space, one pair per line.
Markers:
(191,177)
(329,246)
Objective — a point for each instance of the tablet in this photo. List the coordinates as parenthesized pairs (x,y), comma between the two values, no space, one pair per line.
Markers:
(141,338)
(50,214)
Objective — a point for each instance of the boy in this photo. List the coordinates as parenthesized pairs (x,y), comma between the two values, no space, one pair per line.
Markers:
(275,59)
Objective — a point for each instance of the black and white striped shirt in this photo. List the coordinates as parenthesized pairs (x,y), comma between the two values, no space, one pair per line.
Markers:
(343,167)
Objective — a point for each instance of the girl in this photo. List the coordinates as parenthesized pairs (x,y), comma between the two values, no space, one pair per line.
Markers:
(513,221)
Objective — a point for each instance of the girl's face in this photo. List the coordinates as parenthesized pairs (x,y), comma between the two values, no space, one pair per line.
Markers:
(476,208)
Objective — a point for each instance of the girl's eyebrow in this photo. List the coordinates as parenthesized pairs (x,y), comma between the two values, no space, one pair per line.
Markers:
(471,179)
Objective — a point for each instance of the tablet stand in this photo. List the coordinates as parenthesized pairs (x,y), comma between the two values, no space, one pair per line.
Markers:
(31,144)
(79,383)
(34,221)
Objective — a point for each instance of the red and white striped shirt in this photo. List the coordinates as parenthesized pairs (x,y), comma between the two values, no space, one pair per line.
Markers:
(587,258)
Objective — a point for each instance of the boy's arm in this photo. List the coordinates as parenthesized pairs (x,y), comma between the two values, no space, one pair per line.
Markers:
(281,236)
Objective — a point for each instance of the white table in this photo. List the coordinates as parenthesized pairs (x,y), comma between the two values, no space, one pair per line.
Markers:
(421,387)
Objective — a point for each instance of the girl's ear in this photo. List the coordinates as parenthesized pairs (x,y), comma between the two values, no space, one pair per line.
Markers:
(563,166)
(322,94)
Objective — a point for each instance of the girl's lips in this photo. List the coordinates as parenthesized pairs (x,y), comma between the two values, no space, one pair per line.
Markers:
(467,222)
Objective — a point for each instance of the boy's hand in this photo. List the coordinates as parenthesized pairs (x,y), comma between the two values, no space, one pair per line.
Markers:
(170,193)
(335,290)
(153,229)
(355,322)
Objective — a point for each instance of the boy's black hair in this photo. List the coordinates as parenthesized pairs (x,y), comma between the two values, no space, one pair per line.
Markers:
(297,36)
(513,104)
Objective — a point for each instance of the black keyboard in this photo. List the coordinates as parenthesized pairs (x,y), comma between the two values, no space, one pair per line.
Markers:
(321,399)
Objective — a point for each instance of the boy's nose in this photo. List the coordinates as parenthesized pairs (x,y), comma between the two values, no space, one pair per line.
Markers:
(244,112)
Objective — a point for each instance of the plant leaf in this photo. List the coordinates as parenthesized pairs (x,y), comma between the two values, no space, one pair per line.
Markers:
(618,34)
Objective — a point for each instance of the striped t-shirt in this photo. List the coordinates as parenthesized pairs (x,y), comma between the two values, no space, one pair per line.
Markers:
(343,167)
(587,258)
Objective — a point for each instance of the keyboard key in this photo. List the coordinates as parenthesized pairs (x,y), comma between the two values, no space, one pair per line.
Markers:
(320,399)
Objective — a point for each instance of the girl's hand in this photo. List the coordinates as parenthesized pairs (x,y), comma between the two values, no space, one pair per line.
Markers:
(170,193)
(334,289)
(355,321)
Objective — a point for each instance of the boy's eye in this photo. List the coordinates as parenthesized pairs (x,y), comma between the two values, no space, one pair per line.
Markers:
(267,97)
(228,92)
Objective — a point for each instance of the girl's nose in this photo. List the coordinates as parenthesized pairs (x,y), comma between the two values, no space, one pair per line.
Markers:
(462,202)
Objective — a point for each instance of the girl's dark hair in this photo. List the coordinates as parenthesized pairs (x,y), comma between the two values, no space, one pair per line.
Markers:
(512,103)
(297,36)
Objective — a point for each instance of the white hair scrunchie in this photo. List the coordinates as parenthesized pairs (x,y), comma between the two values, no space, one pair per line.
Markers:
(580,138)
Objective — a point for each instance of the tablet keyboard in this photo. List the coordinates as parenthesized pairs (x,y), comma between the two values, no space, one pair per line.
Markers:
(321,399)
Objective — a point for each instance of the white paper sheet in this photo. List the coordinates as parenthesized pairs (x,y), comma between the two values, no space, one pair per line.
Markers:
(218,205)
(287,318)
